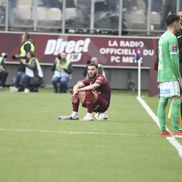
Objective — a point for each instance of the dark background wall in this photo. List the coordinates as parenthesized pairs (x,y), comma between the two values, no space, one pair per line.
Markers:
(119,78)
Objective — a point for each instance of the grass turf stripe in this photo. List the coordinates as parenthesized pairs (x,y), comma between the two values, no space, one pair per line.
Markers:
(74,132)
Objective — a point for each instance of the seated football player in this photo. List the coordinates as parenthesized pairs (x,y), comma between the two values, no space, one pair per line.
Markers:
(93,93)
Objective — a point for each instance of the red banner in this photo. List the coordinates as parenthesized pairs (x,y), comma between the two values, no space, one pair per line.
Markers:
(111,51)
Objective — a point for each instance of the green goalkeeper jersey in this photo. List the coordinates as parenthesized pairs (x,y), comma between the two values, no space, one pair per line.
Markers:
(168,54)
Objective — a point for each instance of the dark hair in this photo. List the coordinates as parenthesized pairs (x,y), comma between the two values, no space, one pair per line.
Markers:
(93,64)
(171,19)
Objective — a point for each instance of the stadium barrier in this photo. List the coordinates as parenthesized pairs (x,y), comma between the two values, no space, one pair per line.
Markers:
(113,52)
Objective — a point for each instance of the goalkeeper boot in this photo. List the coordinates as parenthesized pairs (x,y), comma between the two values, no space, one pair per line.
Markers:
(177,134)
(165,134)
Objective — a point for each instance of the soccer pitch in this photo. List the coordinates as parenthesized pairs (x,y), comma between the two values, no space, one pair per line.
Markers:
(36,147)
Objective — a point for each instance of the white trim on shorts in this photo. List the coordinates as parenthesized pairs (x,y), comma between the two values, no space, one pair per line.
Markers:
(169,89)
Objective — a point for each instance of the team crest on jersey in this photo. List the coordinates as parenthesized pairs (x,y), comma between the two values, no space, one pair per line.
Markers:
(174,48)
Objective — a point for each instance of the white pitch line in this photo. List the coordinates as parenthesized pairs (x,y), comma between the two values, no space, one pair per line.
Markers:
(171,140)
(73,132)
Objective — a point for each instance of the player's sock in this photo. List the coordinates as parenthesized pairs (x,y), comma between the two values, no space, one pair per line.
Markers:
(175,113)
(89,101)
(75,105)
(161,113)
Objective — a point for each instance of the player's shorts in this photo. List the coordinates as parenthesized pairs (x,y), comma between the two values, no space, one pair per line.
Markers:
(169,89)
(101,104)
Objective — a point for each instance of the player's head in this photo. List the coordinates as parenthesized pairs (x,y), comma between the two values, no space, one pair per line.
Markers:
(180,17)
(25,36)
(172,21)
(92,70)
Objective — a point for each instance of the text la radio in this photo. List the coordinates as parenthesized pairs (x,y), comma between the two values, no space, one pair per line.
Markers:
(74,49)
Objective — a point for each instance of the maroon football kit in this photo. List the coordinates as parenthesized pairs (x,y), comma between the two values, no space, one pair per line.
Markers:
(104,92)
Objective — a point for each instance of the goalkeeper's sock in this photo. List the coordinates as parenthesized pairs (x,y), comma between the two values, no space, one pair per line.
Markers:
(175,113)
(161,113)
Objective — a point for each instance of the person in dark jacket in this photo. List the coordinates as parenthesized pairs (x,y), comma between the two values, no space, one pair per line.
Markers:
(3,72)
(179,37)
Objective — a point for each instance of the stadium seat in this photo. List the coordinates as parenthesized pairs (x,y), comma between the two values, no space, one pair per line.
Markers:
(24,2)
(41,13)
(54,14)
(22,12)
(71,13)
(155,18)
(137,19)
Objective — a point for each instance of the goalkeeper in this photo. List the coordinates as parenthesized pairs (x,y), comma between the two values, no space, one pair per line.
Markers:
(169,78)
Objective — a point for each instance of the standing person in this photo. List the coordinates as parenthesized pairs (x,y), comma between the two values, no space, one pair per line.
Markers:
(93,93)
(169,75)
(179,37)
(3,72)
(62,70)
(27,46)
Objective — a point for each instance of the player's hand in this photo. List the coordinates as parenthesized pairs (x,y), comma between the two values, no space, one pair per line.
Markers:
(75,91)
(61,66)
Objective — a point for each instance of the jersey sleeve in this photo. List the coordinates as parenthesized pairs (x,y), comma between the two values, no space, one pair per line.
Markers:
(86,81)
(174,57)
(100,80)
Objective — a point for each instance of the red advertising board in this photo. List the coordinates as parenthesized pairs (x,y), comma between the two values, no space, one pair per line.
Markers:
(111,51)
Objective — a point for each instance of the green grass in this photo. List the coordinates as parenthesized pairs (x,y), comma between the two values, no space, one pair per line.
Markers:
(36,147)
(153,103)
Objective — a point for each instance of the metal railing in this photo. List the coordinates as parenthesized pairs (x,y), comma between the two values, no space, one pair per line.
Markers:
(79,19)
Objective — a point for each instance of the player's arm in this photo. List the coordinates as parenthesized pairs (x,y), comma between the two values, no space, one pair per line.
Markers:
(77,87)
(89,87)
(174,58)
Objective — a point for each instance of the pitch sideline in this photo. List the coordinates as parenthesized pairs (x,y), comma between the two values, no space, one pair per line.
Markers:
(171,140)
